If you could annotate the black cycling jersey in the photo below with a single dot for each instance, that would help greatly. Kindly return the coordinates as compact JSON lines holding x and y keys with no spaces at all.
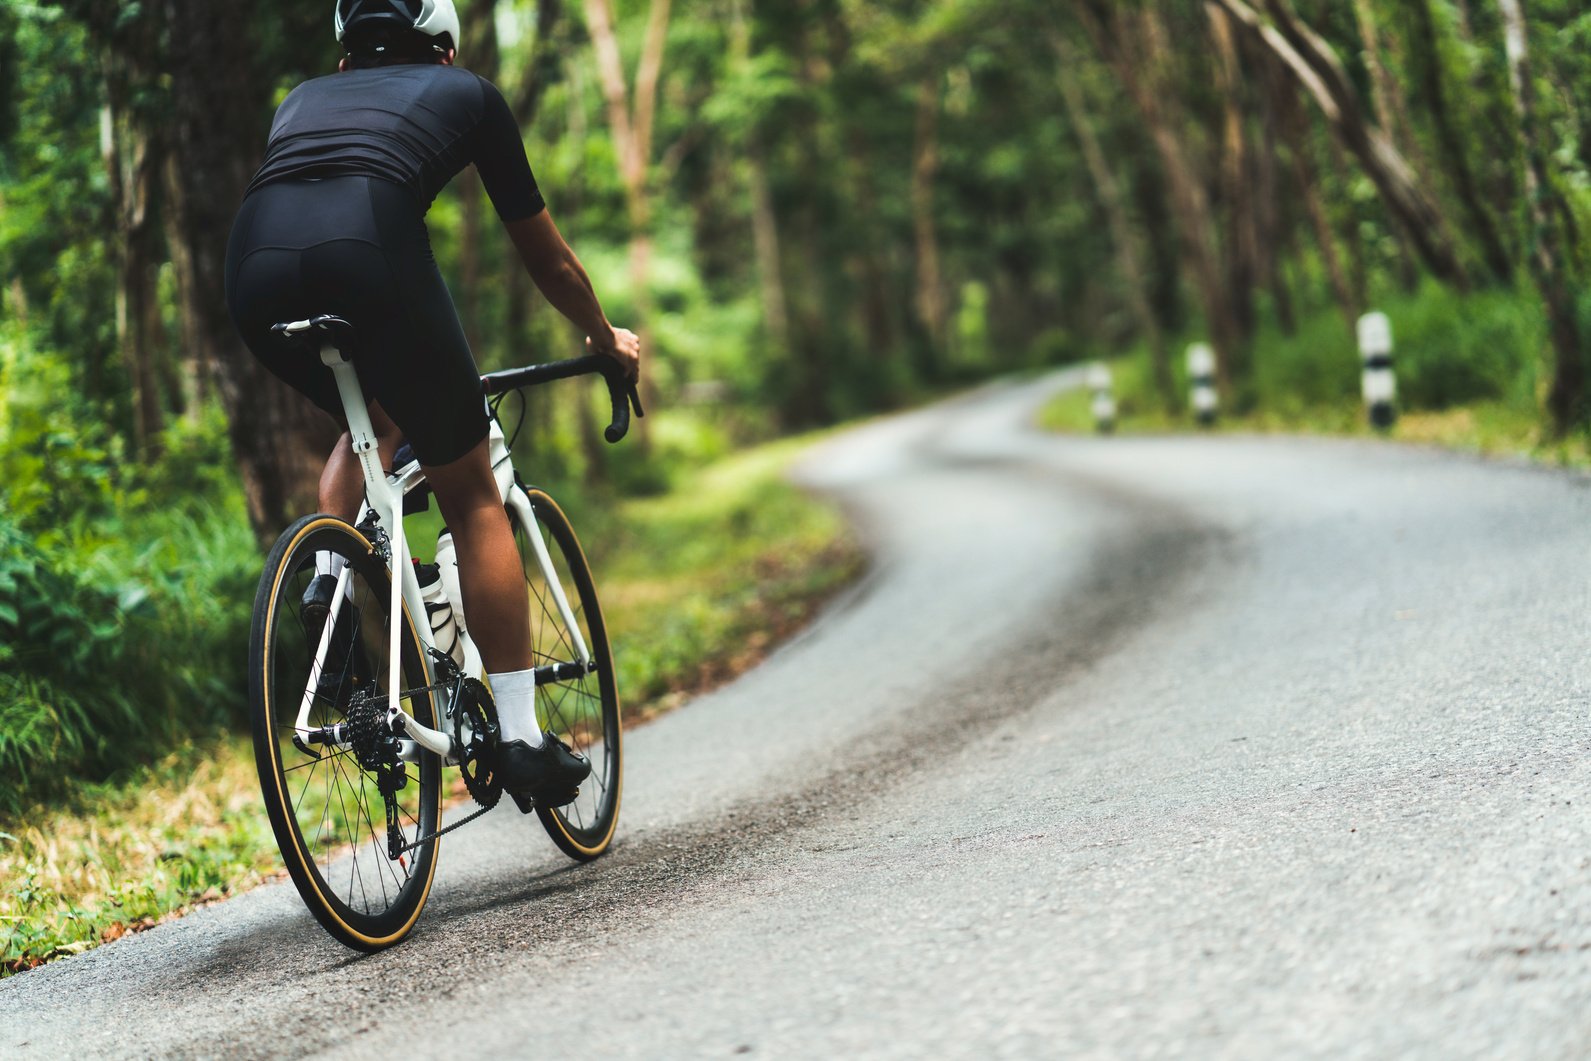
{"x":333,"y":223}
{"x":416,"y":126}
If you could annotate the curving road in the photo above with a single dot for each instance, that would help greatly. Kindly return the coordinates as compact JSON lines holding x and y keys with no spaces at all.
{"x":1125,"y":747}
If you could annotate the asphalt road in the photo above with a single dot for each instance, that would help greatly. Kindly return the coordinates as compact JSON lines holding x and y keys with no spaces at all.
{"x":1125,"y":747}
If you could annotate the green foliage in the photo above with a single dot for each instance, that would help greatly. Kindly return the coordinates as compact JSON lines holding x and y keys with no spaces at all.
{"x":1480,"y":352}
{"x":1455,"y":349}
{"x":67,"y":668}
{"x":124,"y":589}
{"x":59,"y":460}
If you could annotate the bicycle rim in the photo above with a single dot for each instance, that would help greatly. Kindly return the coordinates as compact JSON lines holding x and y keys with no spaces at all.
{"x":584,"y":711}
{"x":326,"y":810}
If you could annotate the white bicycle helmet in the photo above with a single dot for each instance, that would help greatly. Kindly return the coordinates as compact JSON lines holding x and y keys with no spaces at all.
{"x":433,"y":18}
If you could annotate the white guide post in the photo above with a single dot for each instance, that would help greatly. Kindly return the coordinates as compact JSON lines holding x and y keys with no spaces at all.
{"x":1104,"y":403}
{"x":1379,"y":383}
{"x":1201,"y":378}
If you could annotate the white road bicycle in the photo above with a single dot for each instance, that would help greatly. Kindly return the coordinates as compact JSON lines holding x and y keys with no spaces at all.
{"x":357,"y":709}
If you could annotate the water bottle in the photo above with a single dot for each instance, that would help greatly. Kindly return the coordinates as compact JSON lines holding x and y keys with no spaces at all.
{"x":439,"y":610}
{"x":447,"y":559}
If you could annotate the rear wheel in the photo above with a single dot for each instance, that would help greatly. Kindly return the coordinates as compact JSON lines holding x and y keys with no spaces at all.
{"x":325,"y":801}
{"x":582,"y":710}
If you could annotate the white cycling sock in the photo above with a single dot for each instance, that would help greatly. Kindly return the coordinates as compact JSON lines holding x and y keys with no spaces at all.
{"x":515,"y":695}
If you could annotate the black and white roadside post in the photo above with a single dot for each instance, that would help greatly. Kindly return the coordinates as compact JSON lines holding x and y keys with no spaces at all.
{"x":1104,"y":404}
{"x":1201,"y":377}
{"x":1379,"y":384}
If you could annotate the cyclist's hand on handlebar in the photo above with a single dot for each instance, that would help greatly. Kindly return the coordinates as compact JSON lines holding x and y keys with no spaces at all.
{"x":624,"y":346}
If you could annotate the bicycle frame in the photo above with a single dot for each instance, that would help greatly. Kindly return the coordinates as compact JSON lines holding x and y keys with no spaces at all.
{"x":384,"y":497}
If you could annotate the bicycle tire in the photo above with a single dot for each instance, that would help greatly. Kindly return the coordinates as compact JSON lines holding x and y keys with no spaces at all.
{"x":280,"y":651}
{"x":584,"y":712}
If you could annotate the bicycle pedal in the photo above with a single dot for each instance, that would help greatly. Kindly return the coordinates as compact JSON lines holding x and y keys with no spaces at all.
{"x":526,"y":804}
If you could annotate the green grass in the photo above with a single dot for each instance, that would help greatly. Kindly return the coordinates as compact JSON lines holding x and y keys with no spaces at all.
{"x":697,"y":585}
{"x":123,"y":855}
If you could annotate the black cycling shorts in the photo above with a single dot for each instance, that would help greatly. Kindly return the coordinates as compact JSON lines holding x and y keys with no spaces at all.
{"x":357,"y":247}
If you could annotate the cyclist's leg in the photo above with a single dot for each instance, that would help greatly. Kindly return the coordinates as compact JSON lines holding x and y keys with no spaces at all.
{"x":495,"y":605}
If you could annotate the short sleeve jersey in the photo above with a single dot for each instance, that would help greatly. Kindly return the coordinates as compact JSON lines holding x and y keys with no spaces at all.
{"x":416,"y":126}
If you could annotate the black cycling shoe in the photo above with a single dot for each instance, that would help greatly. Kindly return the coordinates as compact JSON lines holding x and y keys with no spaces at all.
{"x":345,"y":666}
{"x":550,"y":774}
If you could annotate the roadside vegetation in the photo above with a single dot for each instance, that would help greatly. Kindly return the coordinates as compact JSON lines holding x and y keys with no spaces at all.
{"x":129,"y":817}
{"x":1470,"y":374}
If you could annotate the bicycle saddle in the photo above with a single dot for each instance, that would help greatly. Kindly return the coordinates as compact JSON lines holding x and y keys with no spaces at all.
{"x":331,"y":328}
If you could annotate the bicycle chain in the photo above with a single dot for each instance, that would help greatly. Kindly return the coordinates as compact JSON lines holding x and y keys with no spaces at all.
{"x":469,"y":696}
{"x":442,"y":831}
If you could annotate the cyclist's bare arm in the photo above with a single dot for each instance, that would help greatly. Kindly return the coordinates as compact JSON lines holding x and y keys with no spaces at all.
{"x":560,"y":276}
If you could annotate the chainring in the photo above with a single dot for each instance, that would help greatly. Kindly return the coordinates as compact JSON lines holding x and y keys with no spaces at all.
{"x":478,"y":751}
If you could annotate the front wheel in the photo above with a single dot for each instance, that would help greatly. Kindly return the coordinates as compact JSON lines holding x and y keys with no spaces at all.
{"x":327,"y":802}
{"x":582,"y":710}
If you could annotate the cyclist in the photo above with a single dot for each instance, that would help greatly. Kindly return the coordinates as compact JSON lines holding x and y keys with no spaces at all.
{"x":333,"y":222}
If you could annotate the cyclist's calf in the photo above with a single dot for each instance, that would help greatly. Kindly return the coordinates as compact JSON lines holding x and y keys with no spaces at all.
{"x":496,"y":606}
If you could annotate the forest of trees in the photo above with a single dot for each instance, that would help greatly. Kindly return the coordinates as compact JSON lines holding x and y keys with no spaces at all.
{"x":823,"y":206}
{"x":810,"y":209}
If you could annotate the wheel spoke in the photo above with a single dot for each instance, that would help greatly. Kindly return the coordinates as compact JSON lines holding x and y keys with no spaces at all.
{"x":330,"y":800}
{"x":582,"y":711}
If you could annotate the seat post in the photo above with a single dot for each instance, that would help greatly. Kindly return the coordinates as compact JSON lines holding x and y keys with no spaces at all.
{"x":357,"y":413}
{"x":378,"y":492}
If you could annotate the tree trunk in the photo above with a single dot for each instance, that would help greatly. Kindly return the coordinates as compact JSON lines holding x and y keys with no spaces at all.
{"x":863,"y":258}
{"x":1315,"y":66}
{"x":1293,"y":131}
{"x":864,"y":262}
{"x":1455,"y":160}
{"x":1128,"y":256}
{"x":542,"y":68}
{"x":1548,"y":261}
{"x":133,"y":163}
{"x":1273,"y":241}
{"x":133,"y":147}
{"x":765,"y":240}
{"x":220,"y":102}
{"x":933,"y":310}
{"x":1386,"y":96}
{"x":17,"y":301}
{"x":630,"y":119}
{"x":478,"y":46}
{"x":1135,"y":46}
{"x":196,"y":364}
{"x":1391,"y":114}
{"x":1237,"y":194}
{"x":806,"y":387}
